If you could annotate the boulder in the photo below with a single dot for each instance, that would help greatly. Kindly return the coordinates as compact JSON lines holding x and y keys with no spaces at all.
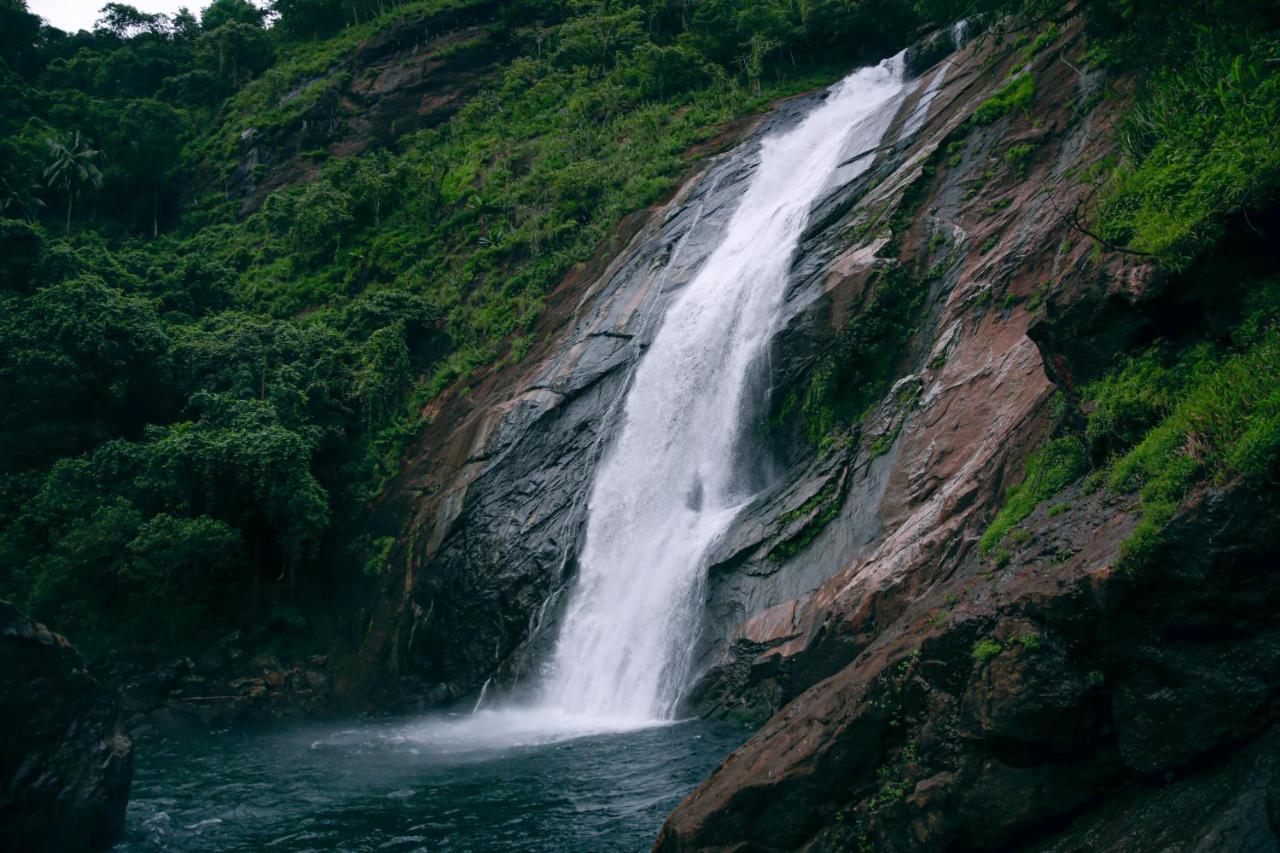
{"x":65,"y":762}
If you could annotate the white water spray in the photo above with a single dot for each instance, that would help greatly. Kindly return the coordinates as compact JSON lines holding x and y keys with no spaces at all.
{"x":668,"y":487}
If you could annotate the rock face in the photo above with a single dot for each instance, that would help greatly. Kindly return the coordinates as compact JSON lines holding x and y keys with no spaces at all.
{"x":494,"y":498}
{"x":411,"y":76}
{"x":912,"y":692}
{"x":921,"y":695}
{"x":65,"y":762}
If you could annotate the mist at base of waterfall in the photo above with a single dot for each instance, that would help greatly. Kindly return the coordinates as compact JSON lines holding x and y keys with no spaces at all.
{"x":492,"y":781}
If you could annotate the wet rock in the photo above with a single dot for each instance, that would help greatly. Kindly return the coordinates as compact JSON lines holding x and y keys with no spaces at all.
{"x":264,"y":662}
{"x":65,"y":761}
{"x":926,"y":695}
{"x":1030,"y":698}
{"x":1230,"y":805}
{"x":495,"y":492}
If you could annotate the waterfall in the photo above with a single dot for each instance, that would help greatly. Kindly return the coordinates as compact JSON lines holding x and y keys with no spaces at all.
{"x":668,"y":486}
{"x":483,"y":690}
{"x":915,"y":121}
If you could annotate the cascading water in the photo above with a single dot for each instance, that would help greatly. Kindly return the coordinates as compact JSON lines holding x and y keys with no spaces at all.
{"x":663,"y":493}
{"x":668,"y":486}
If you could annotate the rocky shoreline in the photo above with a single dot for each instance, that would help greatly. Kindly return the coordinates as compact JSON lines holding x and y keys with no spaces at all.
{"x":223,"y":686}
{"x":66,"y":763}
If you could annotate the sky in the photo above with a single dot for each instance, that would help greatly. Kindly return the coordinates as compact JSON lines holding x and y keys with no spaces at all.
{"x":72,"y":15}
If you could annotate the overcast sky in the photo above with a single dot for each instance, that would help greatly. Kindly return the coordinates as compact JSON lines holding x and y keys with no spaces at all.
{"x":72,"y":15}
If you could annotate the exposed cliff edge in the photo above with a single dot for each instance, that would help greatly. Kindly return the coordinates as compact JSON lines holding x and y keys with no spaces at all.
{"x":933,"y":696}
{"x":65,"y":762}
{"x":919,"y":692}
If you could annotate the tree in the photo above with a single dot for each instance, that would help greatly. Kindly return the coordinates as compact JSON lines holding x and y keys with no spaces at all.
{"x":384,"y":373}
{"x":148,"y":144}
{"x":22,"y":248}
{"x":222,"y":12}
{"x":236,"y":51}
{"x":185,"y":24}
{"x":82,"y":361}
{"x":238,"y":463}
{"x":310,"y":18}
{"x":74,"y":165}
{"x":126,"y":21}
{"x":19,"y":196}
{"x":19,"y":35}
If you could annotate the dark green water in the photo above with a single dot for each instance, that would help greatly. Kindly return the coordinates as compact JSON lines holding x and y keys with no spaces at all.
{"x":486,"y":782}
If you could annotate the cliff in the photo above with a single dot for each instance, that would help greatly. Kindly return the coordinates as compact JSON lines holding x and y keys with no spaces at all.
{"x":931,"y":695}
{"x":914,"y":690}
{"x":318,"y":331}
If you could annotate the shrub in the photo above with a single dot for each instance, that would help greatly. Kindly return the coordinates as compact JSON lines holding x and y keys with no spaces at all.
{"x":1212,"y":413}
{"x":1019,"y":157}
{"x":1201,"y":143}
{"x":985,"y":649}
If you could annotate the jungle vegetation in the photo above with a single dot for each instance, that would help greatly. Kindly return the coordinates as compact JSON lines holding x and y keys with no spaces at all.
{"x":202,"y":395}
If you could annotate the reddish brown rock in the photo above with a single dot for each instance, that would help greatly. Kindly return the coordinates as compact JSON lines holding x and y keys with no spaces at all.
{"x":927,"y":696}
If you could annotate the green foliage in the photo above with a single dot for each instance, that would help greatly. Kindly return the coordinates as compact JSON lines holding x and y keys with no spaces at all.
{"x":1128,"y":402}
{"x":379,"y":562}
{"x":199,"y":401}
{"x":23,"y":246}
{"x":1016,"y":95}
{"x":1050,"y":34}
{"x":1217,"y":415}
{"x":1019,"y":157}
{"x":83,"y":361}
{"x":1168,"y":419}
{"x":1201,"y":143}
{"x":985,"y":649}
{"x":1049,"y":470}
{"x":167,"y":521}
{"x":884,"y":442}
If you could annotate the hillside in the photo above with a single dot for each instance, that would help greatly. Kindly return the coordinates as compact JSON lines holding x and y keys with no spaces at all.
{"x":322,"y":329}
{"x":267,"y":249}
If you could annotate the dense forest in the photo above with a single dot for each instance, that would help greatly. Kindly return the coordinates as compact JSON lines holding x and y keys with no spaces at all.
{"x":210,"y":368}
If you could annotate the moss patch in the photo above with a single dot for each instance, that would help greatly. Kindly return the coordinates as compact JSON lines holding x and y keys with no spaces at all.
{"x":826,"y":502}
{"x":1018,"y":94}
{"x":1049,"y":470}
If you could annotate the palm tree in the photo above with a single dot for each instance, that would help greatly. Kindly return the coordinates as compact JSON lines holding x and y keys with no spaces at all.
{"x":73,"y":166}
